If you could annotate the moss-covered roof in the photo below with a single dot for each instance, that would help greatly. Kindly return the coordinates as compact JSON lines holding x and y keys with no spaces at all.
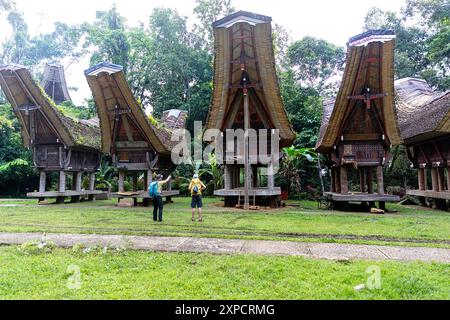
{"x":22,"y":90}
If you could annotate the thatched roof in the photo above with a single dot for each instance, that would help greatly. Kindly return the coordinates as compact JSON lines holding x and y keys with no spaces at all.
{"x":255,"y":34}
{"x":110,"y":90}
{"x":174,"y":118}
{"x":422,"y":112}
{"x":22,"y":91}
{"x":54,"y":83}
{"x":369,"y":64}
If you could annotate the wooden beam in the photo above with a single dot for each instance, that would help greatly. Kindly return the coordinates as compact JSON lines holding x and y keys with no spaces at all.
{"x":333,"y":179}
{"x":369,"y":180}
{"x":344,"y":180}
{"x":62,"y":181}
{"x":337,"y":174}
{"x":121,"y":181}
{"x":421,"y":179}
{"x":362,"y":179}
{"x":246,"y":151}
{"x":42,"y":180}
{"x":380,"y":180}
{"x":441,"y":179}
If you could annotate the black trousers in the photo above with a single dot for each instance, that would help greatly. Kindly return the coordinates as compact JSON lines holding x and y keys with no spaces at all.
{"x":157,"y":204}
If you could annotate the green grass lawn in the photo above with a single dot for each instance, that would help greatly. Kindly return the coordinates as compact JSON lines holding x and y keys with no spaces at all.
{"x":144,"y":275}
{"x":405,"y":226}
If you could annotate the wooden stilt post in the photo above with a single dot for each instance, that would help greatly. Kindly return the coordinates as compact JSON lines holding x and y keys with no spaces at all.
{"x":421,"y":179}
{"x":62,"y":181}
{"x":135,"y":181}
{"x":79,"y":176}
{"x":380,"y":181}
{"x":92,"y":181}
{"x":270,"y":177}
{"x":42,"y":183}
{"x":362,"y":179}
{"x":333,"y":179}
{"x":227,"y":177}
{"x":421,"y":176}
{"x":121,"y":181}
{"x":76,"y":185}
{"x":425,"y":178}
{"x":369,"y":180}
{"x":247,"y":166}
{"x":344,"y":180}
{"x":337,"y":174}
{"x":91,"y":185}
{"x":148,"y":177}
{"x":435,"y":184}
{"x":441,"y":179}
{"x":61,"y":185}
{"x":42,"y":180}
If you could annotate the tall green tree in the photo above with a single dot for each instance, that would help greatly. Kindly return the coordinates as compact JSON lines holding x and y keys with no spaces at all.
{"x":316,"y":63}
{"x":208,"y":11}
{"x":423,"y":36}
{"x":108,"y":36}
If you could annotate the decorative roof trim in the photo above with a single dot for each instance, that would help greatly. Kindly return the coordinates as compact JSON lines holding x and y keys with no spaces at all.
{"x":241,"y":16}
{"x":367,"y":37}
{"x":105,"y":66}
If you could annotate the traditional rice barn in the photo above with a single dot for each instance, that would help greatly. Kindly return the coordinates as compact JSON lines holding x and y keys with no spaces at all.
{"x":360,"y":125}
{"x":246,"y":96}
{"x":54,"y":83}
{"x":424,"y":120}
{"x":135,"y":144}
{"x":59,"y":143}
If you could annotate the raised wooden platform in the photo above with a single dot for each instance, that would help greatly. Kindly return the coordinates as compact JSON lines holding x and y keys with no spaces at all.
{"x":69,"y":193}
{"x":142,"y":194}
{"x":361,"y":197}
{"x":258,"y":192}
{"x":74,"y":195}
{"x":445,"y":195}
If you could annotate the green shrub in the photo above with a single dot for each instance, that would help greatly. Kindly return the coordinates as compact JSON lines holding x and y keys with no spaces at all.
{"x":37,"y":247}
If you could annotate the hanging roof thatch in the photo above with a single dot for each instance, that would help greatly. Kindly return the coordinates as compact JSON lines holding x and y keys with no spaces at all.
{"x":255,"y":34}
{"x":422,"y":112}
{"x":110,"y":90}
{"x":54,"y":83}
{"x":369,"y":63}
{"x":22,"y":91}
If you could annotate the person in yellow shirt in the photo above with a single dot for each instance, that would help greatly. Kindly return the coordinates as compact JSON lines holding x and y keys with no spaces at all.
{"x":196,"y":187}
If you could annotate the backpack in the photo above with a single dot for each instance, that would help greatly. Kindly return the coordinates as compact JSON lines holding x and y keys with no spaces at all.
{"x":153,"y":190}
{"x":195,"y":189}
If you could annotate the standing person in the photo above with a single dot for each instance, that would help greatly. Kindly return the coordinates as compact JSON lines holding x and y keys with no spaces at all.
{"x":155,"y":191}
{"x":196,"y":187}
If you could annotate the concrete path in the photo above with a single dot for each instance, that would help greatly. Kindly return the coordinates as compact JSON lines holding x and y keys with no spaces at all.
{"x":332,"y":251}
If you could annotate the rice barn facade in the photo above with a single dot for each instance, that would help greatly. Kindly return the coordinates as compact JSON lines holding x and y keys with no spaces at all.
{"x":58,"y":143}
{"x":424,"y":120}
{"x":360,"y":125}
{"x":135,"y":144}
{"x":246,"y":96}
